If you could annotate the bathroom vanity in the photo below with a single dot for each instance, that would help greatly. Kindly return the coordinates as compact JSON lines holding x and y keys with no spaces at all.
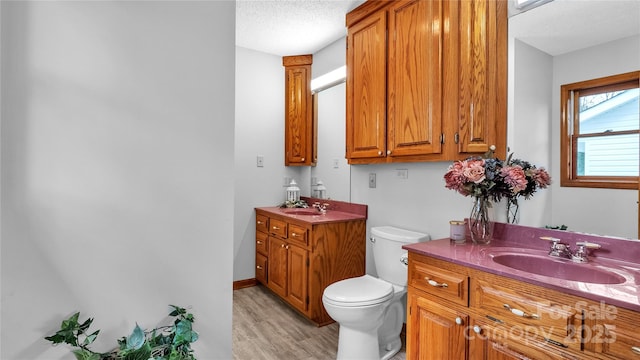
{"x":510,"y":300}
{"x":300,"y":251}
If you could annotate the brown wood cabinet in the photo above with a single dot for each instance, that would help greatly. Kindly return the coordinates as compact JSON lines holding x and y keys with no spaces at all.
{"x":456,"y":312}
{"x":300,"y":124}
{"x":426,"y":80}
{"x":297,"y":260}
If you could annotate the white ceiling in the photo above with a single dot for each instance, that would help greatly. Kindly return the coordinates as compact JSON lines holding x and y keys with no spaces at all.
{"x":295,"y":27}
{"x":291,"y":27}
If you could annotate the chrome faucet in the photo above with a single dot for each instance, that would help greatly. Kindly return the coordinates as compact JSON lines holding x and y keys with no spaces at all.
{"x":321,"y":207}
{"x":562,"y":250}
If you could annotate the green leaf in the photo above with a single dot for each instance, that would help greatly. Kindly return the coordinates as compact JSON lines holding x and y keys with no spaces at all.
{"x":82,"y":354}
{"x":91,"y":338}
{"x":136,"y":339}
{"x":143,"y":353}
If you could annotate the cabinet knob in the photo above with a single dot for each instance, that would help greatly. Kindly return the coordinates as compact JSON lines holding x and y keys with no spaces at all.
{"x":275,"y":228}
{"x":388,"y":152}
{"x":259,"y":222}
{"x":287,"y":247}
{"x":294,"y":234}
{"x":258,"y":242}
{"x":459,"y":320}
{"x":302,"y":159}
{"x":380,"y":152}
{"x":282,"y":245}
{"x":477,"y":329}
{"x":258,"y":267}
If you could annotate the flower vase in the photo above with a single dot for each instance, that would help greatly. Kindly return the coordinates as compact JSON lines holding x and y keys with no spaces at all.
{"x":513,"y":211}
{"x":481,"y":221}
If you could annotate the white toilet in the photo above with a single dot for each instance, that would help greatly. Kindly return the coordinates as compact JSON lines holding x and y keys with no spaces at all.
{"x":371,"y":310}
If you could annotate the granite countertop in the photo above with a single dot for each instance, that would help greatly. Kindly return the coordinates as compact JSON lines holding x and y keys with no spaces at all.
{"x":337,"y":211}
{"x":624,"y":267}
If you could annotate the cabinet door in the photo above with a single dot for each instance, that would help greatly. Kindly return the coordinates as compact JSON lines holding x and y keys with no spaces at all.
{"x":415,"y":78}
{"x":277,"y":269}
{"x":435,"y":331}
{"x":297,"y":277}
{"x":482,"y":75}
{"x":299,"y":135}
{"x":366,"y":88}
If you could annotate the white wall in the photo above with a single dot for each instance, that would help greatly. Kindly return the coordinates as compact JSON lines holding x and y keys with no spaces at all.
{"x":117,"y":145}
{"x":259,"y":131}
{"x":600,"y":211}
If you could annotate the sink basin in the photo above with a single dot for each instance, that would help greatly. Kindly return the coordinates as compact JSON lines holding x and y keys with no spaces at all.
{"x":558,"y":268}
{"x":301,"y":212}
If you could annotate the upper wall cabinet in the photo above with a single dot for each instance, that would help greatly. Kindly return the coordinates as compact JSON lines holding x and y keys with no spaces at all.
{"x":300,"y":127}
{"x":426,"y":80}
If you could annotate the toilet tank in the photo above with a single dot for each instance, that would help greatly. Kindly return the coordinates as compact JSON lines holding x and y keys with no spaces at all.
{"x":389,"y":257}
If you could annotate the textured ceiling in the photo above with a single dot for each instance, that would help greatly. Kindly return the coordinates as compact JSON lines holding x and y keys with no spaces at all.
{"x":563,"y":26}
{"x":291,"y":27}
{"x":295,"y":27}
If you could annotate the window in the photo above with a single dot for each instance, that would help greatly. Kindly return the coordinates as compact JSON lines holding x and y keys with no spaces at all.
{"x":600,"y":135}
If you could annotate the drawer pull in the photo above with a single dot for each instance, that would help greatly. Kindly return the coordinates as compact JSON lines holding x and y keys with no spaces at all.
{"x":435,"y":283}
{"x":520,"y":313}
{"x":258,"y":267}
{"x":259,"y":242}
{"x":477,"y":329}
{"x":459,"y":320}
{"x":259,"y":222}
{"x":275,"y":228}
{"x":635,"y":349}
{"x":294,"y":235}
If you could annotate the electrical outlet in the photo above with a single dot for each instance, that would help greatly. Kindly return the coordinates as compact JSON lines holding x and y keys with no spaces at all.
{"x":336,"y":163}
{"x":260,"y":161}
{"x":402,"y":173}
{"x":372,"y":180}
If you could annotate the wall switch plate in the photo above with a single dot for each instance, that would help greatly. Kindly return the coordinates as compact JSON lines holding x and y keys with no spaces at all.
{"x":336,"y":163}
{"x":286,"y":181}
{"x":260,"y":161}
{"x":372,"y":180}
{"x":402,"y":173}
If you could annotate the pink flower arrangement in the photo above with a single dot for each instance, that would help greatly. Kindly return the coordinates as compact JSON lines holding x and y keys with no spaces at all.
{"x":494,"y":179}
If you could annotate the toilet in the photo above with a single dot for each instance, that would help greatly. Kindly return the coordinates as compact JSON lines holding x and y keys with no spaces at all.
{"x":371,"y":310}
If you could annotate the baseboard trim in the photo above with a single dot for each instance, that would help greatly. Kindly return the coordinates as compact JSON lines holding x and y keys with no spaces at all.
{"x":241,"y":284}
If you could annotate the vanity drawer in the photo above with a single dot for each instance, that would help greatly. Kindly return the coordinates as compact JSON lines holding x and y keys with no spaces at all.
{"x":297,"y":234}
{"x":261,"y":268}
{"x":262,"y":245}
{"x":262,"y":223}
{"x":278,"y":228}
{"x":442,"y":283}
{"x":556,"y":323}
{"x":619,"y":335}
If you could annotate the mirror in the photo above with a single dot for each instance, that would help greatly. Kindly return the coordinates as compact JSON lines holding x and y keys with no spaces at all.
{"x":560,"y":42}
{"x":332,"y":167}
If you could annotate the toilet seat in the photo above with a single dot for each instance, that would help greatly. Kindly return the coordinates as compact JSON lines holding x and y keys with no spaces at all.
{"x":360,"y":291}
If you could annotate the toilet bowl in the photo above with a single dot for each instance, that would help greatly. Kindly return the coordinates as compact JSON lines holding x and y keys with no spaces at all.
{"x":371,"y":310}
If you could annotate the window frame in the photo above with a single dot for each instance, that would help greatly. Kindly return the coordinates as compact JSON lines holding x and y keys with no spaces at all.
{"x":568,"y":127}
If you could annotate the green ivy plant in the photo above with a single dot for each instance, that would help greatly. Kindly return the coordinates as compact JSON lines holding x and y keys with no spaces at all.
{"x":172,"y":342}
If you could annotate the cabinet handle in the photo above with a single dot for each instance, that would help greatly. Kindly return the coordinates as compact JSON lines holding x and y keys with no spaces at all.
{"x":435,"y":283}
{"x":275,"y":228}
{"x":287,"y":247}
{"x":258,"y":267}
{"x":477,"y":329}
{"x":635,"y":350}
{"x":294,"y":235}
{"x":380,"y":152}
{"x":302,"y":159}
{"x":259,"y":242}
{"x":259,"y":222}
{"x":388,"y":152}
{"x":459,"y":320}
{"x":282,"y":245}
{"x":520,"y":313}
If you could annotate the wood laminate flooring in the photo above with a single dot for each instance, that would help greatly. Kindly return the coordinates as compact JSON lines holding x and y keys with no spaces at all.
{"x":265,"y":328}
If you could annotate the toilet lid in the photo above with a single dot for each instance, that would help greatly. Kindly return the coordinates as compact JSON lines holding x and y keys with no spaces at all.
{"x":359,"y":291}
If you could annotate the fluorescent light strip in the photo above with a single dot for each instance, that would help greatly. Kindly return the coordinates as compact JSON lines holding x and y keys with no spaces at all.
{"x":329,"y":79}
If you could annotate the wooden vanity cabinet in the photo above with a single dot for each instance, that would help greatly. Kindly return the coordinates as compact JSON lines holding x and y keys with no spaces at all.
{"x":418,"y":90}
{"x":300,"y":124}
{"x":303,"y":258}
{"x":457,"y":312}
